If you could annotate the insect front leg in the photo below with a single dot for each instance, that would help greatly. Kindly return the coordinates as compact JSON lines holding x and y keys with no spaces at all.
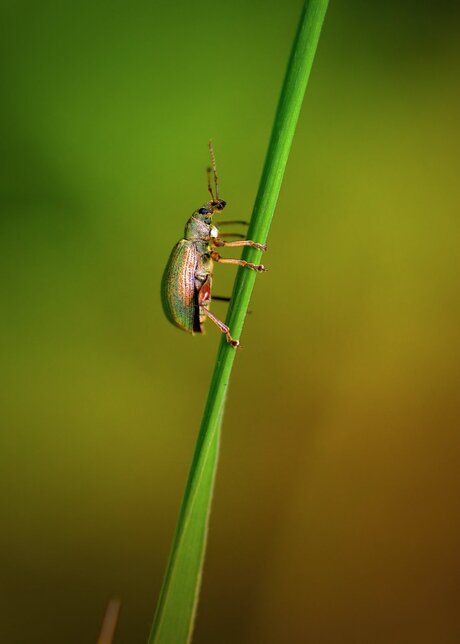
{"x":239,"y":235}
{"x":219,"y":242}
{"x":232,"y":221}
{"x":260,"y":268}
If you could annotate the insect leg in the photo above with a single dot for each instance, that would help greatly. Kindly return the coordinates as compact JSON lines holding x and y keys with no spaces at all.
{"x":233,"y":221}
{"x":223,"y":327}
{"x":242,"y":242}
{"x":240,"y":262}
{"x":240,"y":235}
{"x":221,"y":298}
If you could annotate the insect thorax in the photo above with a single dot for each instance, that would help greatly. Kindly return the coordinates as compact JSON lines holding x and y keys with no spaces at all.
{"x":199,"y":227}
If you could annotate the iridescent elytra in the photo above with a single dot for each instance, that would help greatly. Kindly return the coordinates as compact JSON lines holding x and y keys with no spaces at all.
{"x":186,"y":287}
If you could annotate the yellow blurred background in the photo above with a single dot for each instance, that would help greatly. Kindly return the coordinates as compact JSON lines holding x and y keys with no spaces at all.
{"x":336,"y":513}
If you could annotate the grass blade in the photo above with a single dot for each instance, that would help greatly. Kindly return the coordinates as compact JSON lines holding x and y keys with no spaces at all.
{"x":173,"y":622}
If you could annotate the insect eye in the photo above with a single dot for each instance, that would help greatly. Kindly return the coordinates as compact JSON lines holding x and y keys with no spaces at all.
{"x":221,"y":205}
{"x":203,"y":211}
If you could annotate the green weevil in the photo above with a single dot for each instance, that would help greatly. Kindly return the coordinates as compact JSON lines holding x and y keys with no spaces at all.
{"x":187,"y":280}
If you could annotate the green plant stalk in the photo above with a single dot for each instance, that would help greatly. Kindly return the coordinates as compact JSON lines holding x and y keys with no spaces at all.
{"x":175,"y":612}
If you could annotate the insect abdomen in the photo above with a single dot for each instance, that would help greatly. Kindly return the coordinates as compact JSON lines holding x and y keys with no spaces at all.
{"x":178,"y":292}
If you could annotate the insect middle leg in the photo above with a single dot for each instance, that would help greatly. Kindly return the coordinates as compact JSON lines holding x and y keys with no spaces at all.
{"x":260,"y":268}
{"x":223,"y":327}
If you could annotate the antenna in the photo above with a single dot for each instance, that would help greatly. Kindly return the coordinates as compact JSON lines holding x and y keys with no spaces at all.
{"x":209,"y":170}
{"x":214,"y":169}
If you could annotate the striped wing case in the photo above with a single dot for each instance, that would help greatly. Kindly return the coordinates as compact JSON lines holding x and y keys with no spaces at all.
{"x":178,"y":292}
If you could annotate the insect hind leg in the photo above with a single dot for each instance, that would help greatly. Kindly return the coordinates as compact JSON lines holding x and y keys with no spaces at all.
{"x":222,"y":327}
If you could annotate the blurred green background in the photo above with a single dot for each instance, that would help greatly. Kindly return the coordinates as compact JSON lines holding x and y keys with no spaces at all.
{"x":336,"y":513}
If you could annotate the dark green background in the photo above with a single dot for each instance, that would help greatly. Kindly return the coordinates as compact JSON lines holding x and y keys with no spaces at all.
{"x":336,"y":513}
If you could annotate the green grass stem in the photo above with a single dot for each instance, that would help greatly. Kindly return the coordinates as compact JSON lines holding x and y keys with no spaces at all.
{"x":175,"y":612}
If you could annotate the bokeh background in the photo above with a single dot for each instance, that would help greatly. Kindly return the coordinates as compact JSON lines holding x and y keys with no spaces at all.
{"x":336,"y":513}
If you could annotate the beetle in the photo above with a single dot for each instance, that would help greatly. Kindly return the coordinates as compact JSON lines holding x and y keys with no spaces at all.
{"x":186,"y":287}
